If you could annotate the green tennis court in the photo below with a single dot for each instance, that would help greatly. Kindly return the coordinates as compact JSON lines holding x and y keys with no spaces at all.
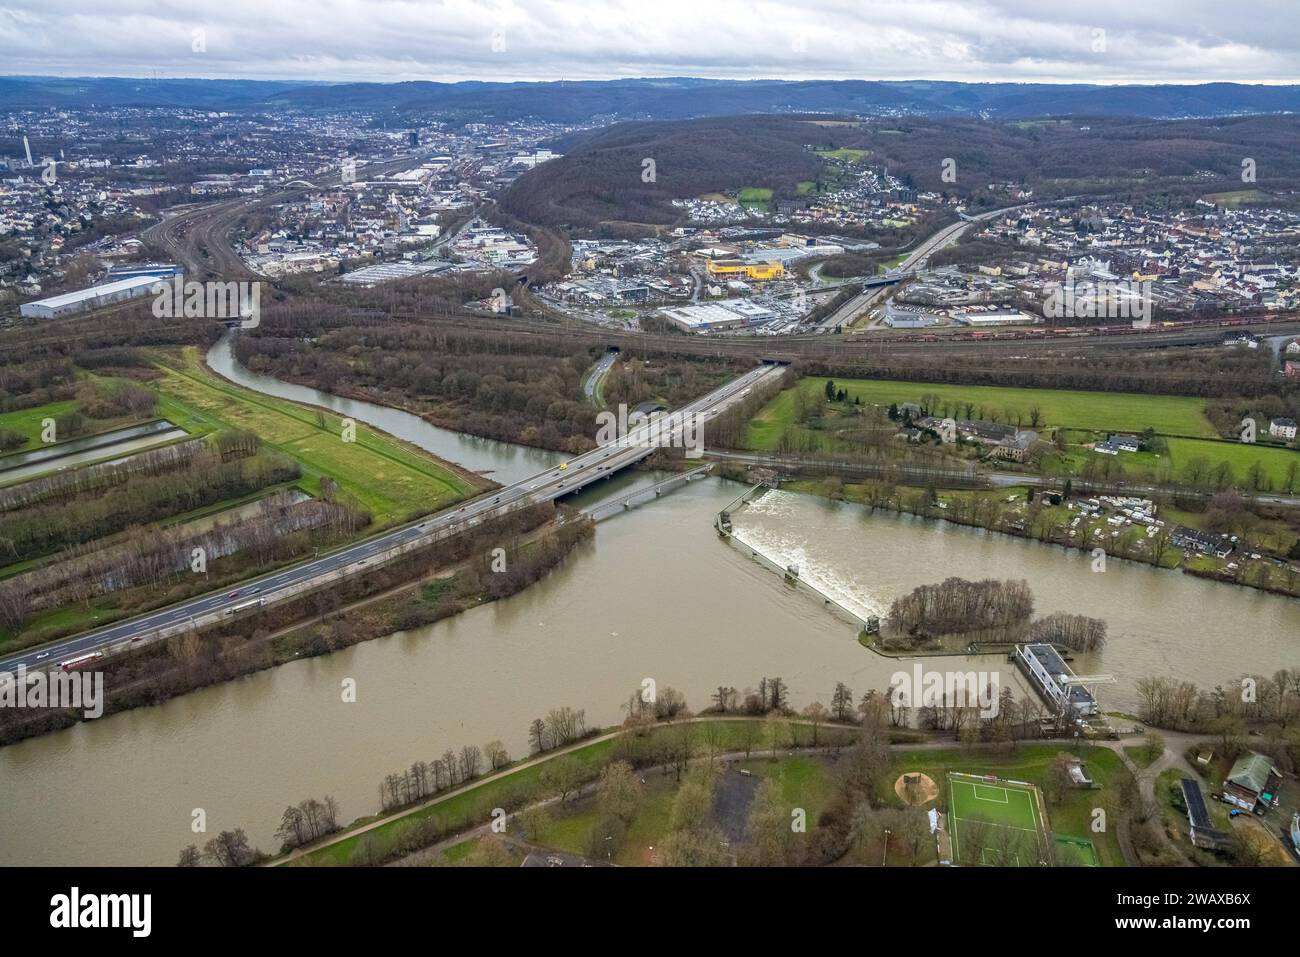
{"x":995,"y":822}
{"x":1076,"y":851}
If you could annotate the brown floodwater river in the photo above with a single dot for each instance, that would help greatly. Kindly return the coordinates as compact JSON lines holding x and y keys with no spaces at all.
{"x":656,"y":594}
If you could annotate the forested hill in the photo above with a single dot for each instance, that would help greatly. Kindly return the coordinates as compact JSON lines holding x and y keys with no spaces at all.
{"x":606,"y":175}
{"x":600,"y":177}
{"x":658,"y":98}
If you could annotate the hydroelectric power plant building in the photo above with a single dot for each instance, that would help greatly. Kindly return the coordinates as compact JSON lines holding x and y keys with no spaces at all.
{"x":1055,"y":680}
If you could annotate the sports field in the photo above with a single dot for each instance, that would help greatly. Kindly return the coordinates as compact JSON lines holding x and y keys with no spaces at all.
{"x":995,"y":822}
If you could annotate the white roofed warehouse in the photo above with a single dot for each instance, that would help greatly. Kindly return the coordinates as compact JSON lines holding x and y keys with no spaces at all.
{"x":94,"y":297}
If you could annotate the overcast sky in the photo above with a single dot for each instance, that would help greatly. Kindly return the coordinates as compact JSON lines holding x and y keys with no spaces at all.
{"x":1103,"y":41}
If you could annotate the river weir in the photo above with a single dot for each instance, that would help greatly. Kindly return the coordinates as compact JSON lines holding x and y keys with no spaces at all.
{"x":653,"y":594}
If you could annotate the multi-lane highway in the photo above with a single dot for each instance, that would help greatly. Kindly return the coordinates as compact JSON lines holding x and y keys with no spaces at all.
{"x":915,"y":260}
{"x":552,"y":484}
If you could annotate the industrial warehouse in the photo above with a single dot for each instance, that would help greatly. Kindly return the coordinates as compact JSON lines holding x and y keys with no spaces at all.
{"x":94,"y":297}
{"x":757,"y":271}
{"x":717,"y":317}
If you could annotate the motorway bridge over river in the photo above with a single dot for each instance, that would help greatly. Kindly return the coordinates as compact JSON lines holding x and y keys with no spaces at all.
{"x":286,"y":583}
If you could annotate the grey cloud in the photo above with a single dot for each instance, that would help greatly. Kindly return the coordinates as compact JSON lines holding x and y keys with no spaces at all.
{"x":1031,"y":40}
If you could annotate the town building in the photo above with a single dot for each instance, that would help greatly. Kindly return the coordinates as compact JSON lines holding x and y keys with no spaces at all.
{"x":756,"y":271}
{"x":1252,"y":781}
{"x":1192,"y":539}
{"x":1016,"y":447}
{"x":900,"y":317}
{"x":1202,"y":830}
{"x":1282,"y":428}
{"x":705,"y":317}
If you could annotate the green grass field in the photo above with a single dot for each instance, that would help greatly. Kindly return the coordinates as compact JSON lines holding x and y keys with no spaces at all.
{"x":462,"y":854}
{"x":391,"y":479}
{"x":1239,"y":455}
{"x":472,"y":805}
{"x":1102,"y":411}
{"x":1235,"y":197}
{"x":571,"y":829}
{"x":846,"y":153}
{"x":27,"y":422}
{"x":996,"y":804}
{"x":1173,"y":465}
{"x":460,"y":809}
{"x":805,"y":782}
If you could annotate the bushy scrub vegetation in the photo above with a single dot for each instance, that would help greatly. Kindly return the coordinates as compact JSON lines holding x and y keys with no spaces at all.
{"x":957,"y":606}
{"x":85,"y":516}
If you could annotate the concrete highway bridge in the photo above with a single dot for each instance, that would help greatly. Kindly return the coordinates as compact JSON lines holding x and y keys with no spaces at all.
{"x":287,"y":583}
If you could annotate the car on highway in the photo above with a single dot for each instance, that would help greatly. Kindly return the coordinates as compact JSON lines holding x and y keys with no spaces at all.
{"x":563,"y":466}
{"x":43,"y":654}
{"x":234,"y":594}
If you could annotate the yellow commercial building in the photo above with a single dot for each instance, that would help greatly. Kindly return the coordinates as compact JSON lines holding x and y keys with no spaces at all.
{"x":738,"y":267}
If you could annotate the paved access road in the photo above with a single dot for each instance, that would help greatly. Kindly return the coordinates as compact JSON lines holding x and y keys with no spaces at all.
{"x":598,"y":372}
{"x":546,"y":486}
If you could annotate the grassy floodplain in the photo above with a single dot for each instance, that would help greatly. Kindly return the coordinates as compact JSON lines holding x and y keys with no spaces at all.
{"x":393,"y":480}
{"x":27,"y":422}
{"x":1059,"y":408}
{"x":805,"y":780}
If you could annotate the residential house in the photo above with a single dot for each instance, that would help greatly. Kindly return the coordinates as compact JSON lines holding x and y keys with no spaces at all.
{"x":1252,"y":780}
{"x":1016,"y":448}
{"x":1195,"y":540}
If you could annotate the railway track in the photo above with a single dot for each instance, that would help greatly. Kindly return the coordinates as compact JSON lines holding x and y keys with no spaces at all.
{"x":200,"y":239}
{"x":792,"y":348}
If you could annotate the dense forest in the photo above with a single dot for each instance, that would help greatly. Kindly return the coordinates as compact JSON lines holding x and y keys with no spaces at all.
{"x":486,"y":381}
{"x":605,"y":177}
{"x":600,"y":178}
